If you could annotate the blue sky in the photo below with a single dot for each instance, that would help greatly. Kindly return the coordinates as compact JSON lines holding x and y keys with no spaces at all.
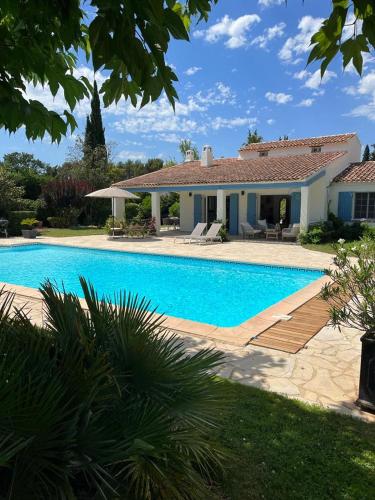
{"x":245,"y":68}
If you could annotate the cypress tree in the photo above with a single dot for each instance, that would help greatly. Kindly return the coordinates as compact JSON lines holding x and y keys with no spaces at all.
{"x":94,"y":132}
{"x":366,"y":153}
{"x":88,"y":144}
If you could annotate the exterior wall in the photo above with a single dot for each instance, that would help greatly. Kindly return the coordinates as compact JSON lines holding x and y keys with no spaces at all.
{"x":352,"y":146}
{"x":186,"y":211}
{"x":337,"y":187}
{"x":318,"y":203}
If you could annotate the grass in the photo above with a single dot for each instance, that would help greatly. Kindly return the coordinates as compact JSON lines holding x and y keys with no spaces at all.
{"x":77,"y":231}
{"x":327,"y":247}
{"x":283,"y":449}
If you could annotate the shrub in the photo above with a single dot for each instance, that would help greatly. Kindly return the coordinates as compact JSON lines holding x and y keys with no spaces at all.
{"x":15,"y":219}
{"x":112,"y":222}
{"x":368,"y":232}
{"x":68,"y":217}
{"x":332,"y":230}
{"x":223,"y":233}
{"x":315,"y":236}
{"x":151,"y":226}
{"x":131,"y":211}
{"x":353,"y":279}
{"x":174,"y":210}
{"x":29,"y":223}
{"x":104,"y":405}
{"x":144,"y":210}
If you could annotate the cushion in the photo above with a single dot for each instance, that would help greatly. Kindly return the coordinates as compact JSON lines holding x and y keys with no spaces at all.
{"x":262,"y":223}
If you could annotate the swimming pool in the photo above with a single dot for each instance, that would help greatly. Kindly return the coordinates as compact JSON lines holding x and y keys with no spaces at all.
{"x":210,"y":291}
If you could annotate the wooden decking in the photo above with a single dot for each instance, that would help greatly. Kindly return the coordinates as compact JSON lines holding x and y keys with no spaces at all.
{"x":291,"y":336}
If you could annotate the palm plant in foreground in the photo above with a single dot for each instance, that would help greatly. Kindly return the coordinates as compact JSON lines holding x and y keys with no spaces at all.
{"x":103,"y":403}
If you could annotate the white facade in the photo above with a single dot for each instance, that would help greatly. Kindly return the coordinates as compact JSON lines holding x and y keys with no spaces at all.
{"x":316,"y":195}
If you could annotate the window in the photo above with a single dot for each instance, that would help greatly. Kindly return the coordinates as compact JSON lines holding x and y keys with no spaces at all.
{"x":316,"y":149}
{"x":263,"y":153}
{"x":364,"y":206}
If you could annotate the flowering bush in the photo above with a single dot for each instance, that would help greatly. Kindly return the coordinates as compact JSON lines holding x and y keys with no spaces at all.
{"x":352,"y":293}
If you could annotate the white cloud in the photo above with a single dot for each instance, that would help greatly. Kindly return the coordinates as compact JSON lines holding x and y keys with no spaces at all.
{"x":279,"y":98}
{"x":271,"y":121}
{"x":131,"y":155}
{"x":233,"y":30}
{"x":300,"y":44}
{"x":219,"y":94}
{"x":269,"y":34}
{"x":365,"y":87}
{"x":314,"y":81}
{"x":191,"y":71}
{"x":191,"y":116}
{"x":172,"y":138}
{"x":351,"y":90}
{"x":269,"y":3}
{"x":220,"y":122}
{"x":364,"y":111}
{"x":306,"y":103}
{"x":300,"y":75}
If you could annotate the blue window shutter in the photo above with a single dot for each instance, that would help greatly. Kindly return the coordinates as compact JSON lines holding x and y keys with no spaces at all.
{"x":251,"y":208}
{"x":197,"y":209}
{"x":233,"y":216}
{"x":345,"y":206}
{"x":296,"y":208}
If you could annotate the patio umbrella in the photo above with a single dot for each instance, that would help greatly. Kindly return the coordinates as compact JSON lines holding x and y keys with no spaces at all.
{"x":113,"y":193}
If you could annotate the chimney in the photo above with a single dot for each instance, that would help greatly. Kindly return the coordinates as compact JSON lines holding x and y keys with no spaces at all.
{"x":189,"y":155}
{"x":207,"y":156}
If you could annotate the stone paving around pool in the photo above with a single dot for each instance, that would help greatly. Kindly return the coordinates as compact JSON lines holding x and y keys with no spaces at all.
{"x":325,"y":372}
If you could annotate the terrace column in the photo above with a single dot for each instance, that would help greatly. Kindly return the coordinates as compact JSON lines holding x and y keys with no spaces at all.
{"x":155,"y":209}
{"x":221,"y":205}
{"x":305,"y":209}
{"x":119,"y":208}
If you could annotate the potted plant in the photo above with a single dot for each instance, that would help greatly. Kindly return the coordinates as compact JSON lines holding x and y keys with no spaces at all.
{"x":352,"y":303}
{"x":223,"y":233}
{"x":28,"y":228}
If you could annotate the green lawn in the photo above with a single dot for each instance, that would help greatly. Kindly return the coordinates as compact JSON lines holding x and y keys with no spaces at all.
{"x":283,"y":449}
{"x":327,"y":247}
{"x":79,"y":231}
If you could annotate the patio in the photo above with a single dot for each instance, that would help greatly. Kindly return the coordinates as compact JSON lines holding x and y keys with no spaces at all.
{"x":324,"y":372}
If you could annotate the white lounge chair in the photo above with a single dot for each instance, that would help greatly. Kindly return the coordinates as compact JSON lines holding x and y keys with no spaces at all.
{"x":248,"y":230}
{"x":197,"y":231}
{"x":212,"y":234}
{"x":290,"y":232}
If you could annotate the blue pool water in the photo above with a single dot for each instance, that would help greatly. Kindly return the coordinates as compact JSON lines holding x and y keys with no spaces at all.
{"x":214,"y":292}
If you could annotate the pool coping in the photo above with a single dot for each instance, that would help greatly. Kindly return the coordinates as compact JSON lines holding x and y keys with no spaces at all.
{"x":239,"y":335}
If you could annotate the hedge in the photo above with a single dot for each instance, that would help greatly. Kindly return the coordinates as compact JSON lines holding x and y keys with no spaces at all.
{"x":15,"y":218}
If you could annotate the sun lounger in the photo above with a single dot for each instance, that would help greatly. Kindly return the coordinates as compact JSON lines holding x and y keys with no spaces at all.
{"x":197,"y":231}
{"x":212,"y":234}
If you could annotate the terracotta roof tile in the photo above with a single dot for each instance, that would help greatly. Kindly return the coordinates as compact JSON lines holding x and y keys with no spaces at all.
{"x":358,"y":172}
{"x":236,"y":171}
{"x":308,"y":142}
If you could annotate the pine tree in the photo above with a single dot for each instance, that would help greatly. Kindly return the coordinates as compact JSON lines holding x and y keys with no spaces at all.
{"x":366,"y":153}
{"x":94,"y":132}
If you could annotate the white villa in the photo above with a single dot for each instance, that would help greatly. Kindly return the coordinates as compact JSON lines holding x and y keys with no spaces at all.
{"x":309,"y":176}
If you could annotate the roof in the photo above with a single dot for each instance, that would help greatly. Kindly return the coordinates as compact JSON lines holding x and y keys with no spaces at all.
{"x":363,"y":171}
{"x":308,"y":142}
{"x":236,"y":171}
